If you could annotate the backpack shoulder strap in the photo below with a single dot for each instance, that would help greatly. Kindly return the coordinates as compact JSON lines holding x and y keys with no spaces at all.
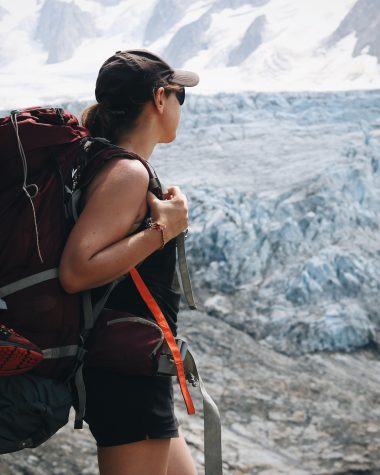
{"x":97,"y":151}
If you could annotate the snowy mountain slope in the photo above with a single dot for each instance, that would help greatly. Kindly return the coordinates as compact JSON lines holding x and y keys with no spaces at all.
{"x":61,"y":28}
{"x":3,"y":12}
{"x":159,"y":22}
{"x":235,"y":45}
{"x":188,"y":41}
{"x":251,"y":40}
{"x":364,"y":21}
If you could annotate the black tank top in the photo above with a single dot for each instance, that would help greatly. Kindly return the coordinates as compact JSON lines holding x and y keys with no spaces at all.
{"x":158,"y":271}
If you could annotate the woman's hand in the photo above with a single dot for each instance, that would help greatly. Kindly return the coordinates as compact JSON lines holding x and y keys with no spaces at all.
{"x":173,"y":211}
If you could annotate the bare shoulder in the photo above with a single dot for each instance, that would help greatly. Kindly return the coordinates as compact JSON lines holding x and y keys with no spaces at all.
{"x":120,"y":174}
{"x":116,"y":197}
{"x":114,"y":201}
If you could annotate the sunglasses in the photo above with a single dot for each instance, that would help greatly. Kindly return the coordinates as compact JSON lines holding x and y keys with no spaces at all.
{"x":179,"y":93}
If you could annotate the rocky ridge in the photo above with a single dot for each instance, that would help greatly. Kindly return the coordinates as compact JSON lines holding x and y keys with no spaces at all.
{"x":311,"y":415}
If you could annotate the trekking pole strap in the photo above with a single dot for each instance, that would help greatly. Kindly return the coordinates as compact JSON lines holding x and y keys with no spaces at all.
{"x":211,"y":419}
{"x":211,"y":416}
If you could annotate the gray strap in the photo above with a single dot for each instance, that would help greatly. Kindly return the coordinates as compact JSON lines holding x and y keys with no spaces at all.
{"x":184,"y":271}
{"x":75,"y":197}
{"x":60,"y":352}
{"x":91,"y":313}
{"x":212,"y":425}
{"x":81,"y":393}
{"x":211,"y":416}
{"x":182,"y":262}
{"x":87,"y":310}
{"x":101,"y":303}
{"x":28,"y":281}
{"x":3,"y":305}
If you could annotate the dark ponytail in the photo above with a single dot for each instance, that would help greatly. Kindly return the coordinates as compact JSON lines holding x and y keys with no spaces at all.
{"x":103,"y":122}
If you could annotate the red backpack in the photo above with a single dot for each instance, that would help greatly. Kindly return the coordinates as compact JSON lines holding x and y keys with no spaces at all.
{"x":40,"y":151}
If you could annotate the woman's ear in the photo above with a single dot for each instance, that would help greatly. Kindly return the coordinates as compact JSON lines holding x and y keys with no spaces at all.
{"x":159,"y":99}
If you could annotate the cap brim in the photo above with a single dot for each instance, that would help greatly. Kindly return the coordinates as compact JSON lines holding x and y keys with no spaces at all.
{"x":184,"y":78}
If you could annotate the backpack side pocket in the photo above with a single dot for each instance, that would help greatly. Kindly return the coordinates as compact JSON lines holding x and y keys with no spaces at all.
{"x":125,"y":343}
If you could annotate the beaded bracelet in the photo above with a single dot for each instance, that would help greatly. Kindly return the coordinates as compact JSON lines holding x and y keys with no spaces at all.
{"x":149,"y":224}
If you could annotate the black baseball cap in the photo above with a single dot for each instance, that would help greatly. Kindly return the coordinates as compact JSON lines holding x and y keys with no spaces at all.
{"x":132,"y":74}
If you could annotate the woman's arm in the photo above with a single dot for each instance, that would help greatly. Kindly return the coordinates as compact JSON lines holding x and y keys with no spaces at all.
{"x":98,"y":250}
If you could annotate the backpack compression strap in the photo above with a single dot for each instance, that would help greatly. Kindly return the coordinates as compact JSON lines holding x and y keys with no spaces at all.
{"x":211,"y":421}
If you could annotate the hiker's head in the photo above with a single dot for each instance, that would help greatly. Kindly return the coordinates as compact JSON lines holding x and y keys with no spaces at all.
{"x":131,"y":83}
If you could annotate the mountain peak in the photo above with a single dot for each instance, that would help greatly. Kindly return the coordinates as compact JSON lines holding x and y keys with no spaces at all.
{"x":364,"y":21}
{"x":234,"y":45}
{"x":61,"y":28}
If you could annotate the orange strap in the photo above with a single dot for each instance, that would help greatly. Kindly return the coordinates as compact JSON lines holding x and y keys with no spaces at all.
{"x":163,"y":324}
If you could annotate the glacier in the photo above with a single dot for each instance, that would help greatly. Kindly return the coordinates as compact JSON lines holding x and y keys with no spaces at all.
{"x":307,"y":268}
{"x":284,"y":242}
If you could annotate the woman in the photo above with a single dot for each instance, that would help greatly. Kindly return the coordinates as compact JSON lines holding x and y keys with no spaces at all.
{"x":139,"y":105}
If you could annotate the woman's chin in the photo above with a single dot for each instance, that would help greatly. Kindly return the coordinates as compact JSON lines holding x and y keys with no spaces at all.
{"x":168,"y":139}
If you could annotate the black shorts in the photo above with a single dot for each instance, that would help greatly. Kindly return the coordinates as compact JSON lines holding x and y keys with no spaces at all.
{"x":121,"y":409}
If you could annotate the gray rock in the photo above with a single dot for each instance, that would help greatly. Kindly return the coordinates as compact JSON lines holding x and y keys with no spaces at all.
{"x":61,"y":28}
{"x":3,"y":12}
{"x":161,"y":21}
{"x":222,"y":4}
{"x":281,"y":415}
{"x":251,"y":41}
{"x":363,"y":20}
{"x":188,"y":41}
{"x":108,"y":3}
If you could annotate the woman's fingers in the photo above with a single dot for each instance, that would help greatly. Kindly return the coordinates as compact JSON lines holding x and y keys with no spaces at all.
{"x":174,"y":191}
{"x":172,"y":212}
{"x":151,"y":198}
{"x":177,"y":195}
